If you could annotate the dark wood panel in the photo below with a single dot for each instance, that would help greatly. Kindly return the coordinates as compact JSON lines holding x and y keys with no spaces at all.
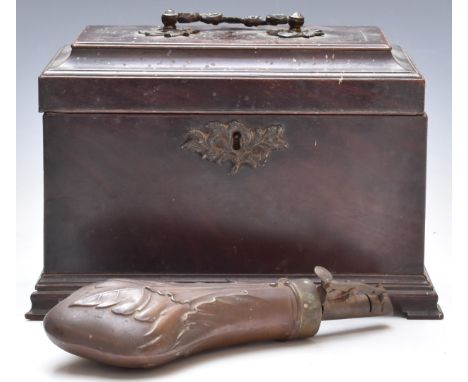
{"x":121,"y":196}
{"x":195,"y":95}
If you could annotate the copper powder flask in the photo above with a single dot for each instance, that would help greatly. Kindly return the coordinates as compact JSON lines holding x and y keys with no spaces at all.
{"x":137,"y":323}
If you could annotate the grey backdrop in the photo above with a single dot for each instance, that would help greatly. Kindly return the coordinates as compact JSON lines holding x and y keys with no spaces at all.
{"x":422,"y":27}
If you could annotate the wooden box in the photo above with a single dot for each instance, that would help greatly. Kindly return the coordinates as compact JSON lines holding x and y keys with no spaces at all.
{"x":234,"y":153}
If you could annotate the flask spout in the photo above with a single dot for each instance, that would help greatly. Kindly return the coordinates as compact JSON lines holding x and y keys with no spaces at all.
{"x":351,"y":299}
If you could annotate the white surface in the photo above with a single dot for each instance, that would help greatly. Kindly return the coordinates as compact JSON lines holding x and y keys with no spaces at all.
{"x":379,"y":349}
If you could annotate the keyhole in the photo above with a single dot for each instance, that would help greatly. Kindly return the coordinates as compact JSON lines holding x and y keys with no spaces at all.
{"x":236,"y":137}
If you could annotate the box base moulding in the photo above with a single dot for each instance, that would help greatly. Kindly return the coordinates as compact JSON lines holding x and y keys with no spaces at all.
{"x":413,"y":296}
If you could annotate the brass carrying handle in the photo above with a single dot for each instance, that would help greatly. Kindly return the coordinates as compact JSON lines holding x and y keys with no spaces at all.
{"x":170,"y":18}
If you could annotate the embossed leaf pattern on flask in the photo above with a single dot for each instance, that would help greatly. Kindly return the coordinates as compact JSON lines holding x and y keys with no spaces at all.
{"x":156,"y":304}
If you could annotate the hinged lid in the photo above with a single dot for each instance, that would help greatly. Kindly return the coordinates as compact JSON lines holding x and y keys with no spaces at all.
{"x":232,"y":70}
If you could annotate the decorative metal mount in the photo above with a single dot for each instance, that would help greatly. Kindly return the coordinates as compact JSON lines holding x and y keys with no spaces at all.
{"x":170,"y":19}
{"x":233,"y":142}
